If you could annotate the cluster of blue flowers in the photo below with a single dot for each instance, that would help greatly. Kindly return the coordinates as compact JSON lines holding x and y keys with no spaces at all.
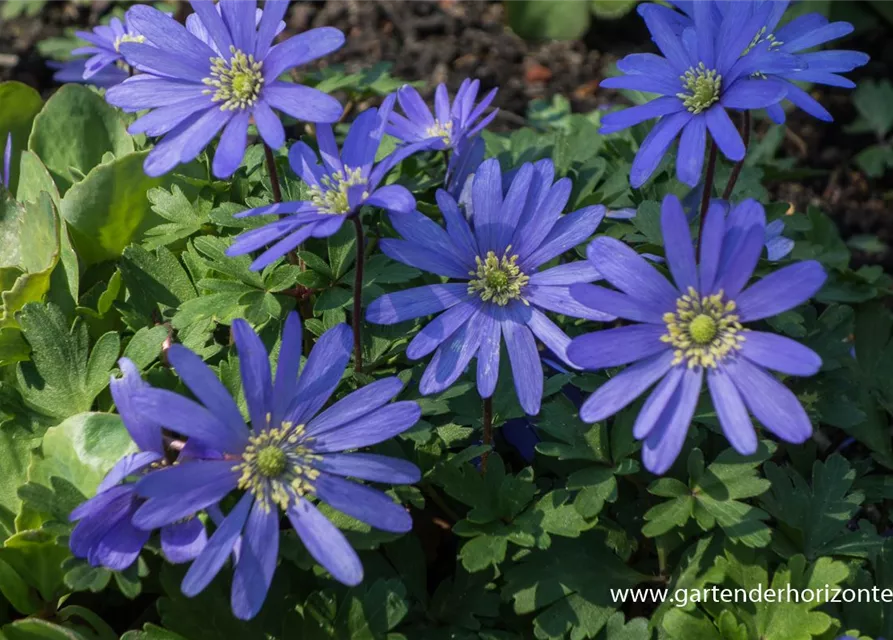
{"x":502,"y":232}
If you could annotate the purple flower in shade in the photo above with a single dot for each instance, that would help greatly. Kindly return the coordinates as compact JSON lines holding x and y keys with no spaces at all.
{"x":194,"y":90}
{"x":705,"y":69}
{"x":802,"y":34}
{"x":346,"y":181}
{"x":777,"y":246}
{"x":453,"y":127}
{"x":7,"y":162}
{"x":291,"y":453}
{"x":694,"y":330}
{"x":495,"y":256}
{"x":106,"y":66}
{"x":104,"y":534}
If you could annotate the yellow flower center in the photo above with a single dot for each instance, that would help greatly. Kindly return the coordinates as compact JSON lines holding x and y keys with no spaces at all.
{"x":441,"y":130}
{"x":331,"y":195}
{"x":498,"y":280}
{"x":128,"y":38}
{"x":236,"y":82}
{"x":701,"y":88}
{"x":276,"y":464}
{"x":703,"y":330}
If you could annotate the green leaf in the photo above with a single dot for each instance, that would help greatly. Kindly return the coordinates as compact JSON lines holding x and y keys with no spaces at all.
{"x":61,"y":380}
{"x":714,"y":497}
{"x":152,"y":632}
{"x":156,"y":281}
{"x":872,"y":100}
{"x":17,"y":591}
{"x":568,"y":587}
{"x":74,"y":131}
{"x":612,"y":9}
{"x":37,"y":557}
{"x":109,"y":208}
{"x":812,"y":517}
{"x":37,"y":629}
{"x":81,"y":451}
{"x":29,"y":250}
{"x":548,"y":20}
{"x":19,"y":104}
{"x":185,"y":218}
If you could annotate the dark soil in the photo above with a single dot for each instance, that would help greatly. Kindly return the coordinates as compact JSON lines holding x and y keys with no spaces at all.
{"x":447,"y":41}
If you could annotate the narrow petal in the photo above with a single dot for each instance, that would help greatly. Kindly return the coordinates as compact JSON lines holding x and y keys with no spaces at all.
{"x":211,"y":20}
{"x":440,"y":329}
{"x":631,"y":273}
{"x":753,"y":94}
{"x":570,"y":231}
{"x":301,"y":49}
{"x":183,"y":541}
{"x":732,"y":413}
{"x":619,"y":120}
{"x":677,"y":243}
{"x":355,"y":405}
{"x":322,"y":373}
{"x":772,"y":403}
{"x":550,"y":334}
{"x":784,"y":289}
{"x":560,"y":300}
{"x":269,"y":126}
{"x":126,"y":466}
{"x":190,"y":419}
{"x":657,"y":402}
{"x":488,"y":354}
{"x":303,"y":103}
{"x":363,"y":503}
{"x":414,"y":303}
{"x":157,"y":512}
{"x":205,"y":386}
{"x":144,"y":430}
{"x":663,"y":445}
{"x":736,"y":271}
{"x":725,"y":133}
{"x":607,"y":301}
{"x":655,"y":145}
{"x":625,"y":387}
{"x":325,"y":543}
{"x":567,"y":274}
{"x":714,"y":230}
{"x":370,"y":466}
{"x":257,"y":561}
{"x":394,"y":198}
{"x":287,"y":367}
{"x":420,"y":257}
{"x":268,"y":28}
{"x":780,"y":354}
{"x":372,"y":428}
{"x":163,"y":31}
{"x":622,"y":345}
{"x":527,"y":369}
{"x":452,"y":357}
{"x":218,"y":549}
{"x":486,"y":194}
{"x":690,"y":157}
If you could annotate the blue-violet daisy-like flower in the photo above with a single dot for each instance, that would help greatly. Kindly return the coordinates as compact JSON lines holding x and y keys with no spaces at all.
{"x":495,"y":255}
{"x":798,"y":38}
{"x":194,"y":90}
{"x":104,"y":534}
{"x":705,"y":69}
{"x":694,"y":329}
{"x":290,"y":453}
{"x":346,"y":181}
{"x":105,"y":66}
{"x":452,"y":126}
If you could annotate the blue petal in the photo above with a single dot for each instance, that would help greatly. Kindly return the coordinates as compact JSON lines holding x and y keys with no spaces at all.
{"x":363,"y":503}
{"x":621,"y":345}
{"x":257,"y":561}
{"x":527,"y":370}
{"x":370,"y":466}
{"x":655,"y":146}
{"x":441,"y":328}
{"x":780,"y":354}
{"x":144,"y":431}
{"x":254,"y":366}
{"x":183,"y":541}
{"x":665,"y":441}
{"x":322,"y":373}
{"x":396,"y":307}
{"x":782,"y":290}
{"x":372,"y":428}
{"x":452,"y":357}
{"x":678,"y":244}
{"x":354,"y":405}
{"x":732,"y":413}
{"x":325,"y":543}
{"x":218,"y":549}
{"x":623,"y":388}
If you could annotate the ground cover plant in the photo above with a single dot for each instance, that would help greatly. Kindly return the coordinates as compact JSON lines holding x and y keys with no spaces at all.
{"x":292,"y":353}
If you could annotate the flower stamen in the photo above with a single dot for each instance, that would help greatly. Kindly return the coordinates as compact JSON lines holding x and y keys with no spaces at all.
{"x":442,"y":130}
{"x":703,"y":330}
{"x":701,"y":88}
{"x":331,"y":196}
{"x":498,"y":280}
{"x":276,"y":466}
{"x":128,"y":38}
{"x":237,"y":82}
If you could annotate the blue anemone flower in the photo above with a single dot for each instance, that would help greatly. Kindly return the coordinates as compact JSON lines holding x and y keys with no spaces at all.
{"x":798,"y":38}
{"x":194,"y":90}
{"x":346,"y":181}
{"x":705,"y":69}
{"x":104,"y":533}
{"x":105,"y":66}
{"x":495,"y":255}
{"x":453,"y":126}
{"x":290,"y":453}
{"x":693,"y":329}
